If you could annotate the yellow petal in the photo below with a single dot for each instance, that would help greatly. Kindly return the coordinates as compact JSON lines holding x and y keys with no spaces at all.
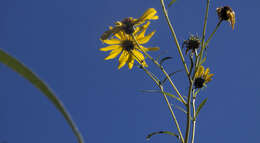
{"x":113,"y":54}
{"x":206,"y":73}
{"x":208,"y":78}
{"x":144,"y":28}
{"x":232,"y":20}
{"x":108,"y":48}
{"x":199,"y":72}
{"x":146,"y":38}
{"x":148,"y":15}
{"x":151,"y":49}
{"x":112,"y":41}
{"x":131,"y":62}
{"x":123,"y":59}
{"x":139,"y":57}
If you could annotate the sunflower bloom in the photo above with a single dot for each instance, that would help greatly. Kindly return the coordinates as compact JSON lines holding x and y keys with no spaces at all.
{"x":226,"y":13}
{"x":128,"y":24}
{"x":125,"y":45}
{"x":202,"y":77}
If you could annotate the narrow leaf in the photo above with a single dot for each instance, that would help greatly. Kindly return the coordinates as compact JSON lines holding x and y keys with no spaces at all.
{"x":26,"y":73}
{"x":148,"y":137}
{"x":151,"y":91}
{"x":180,"y":108}
{"x":200,"y":107}
{"x":173,"y":96}
{"x":170,"y":4}
{"x":164,"y":59}
{"x":170,"y":75}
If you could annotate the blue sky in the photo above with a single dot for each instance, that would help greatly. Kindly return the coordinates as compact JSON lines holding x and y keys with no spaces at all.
{"x":59,"y":40}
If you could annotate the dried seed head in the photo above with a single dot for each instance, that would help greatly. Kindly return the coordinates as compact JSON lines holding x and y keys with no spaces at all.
{"x":227,"y":14}
{"x":193,"y":43}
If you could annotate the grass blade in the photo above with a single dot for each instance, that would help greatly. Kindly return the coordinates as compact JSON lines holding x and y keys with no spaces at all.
{"x":26,"y":73}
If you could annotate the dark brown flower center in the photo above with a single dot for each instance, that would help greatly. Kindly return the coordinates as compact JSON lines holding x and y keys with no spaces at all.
{"x":192,"y":43}
{"x":128,"y":45}
{"x":223,"y":13}
{"x":199,"y":82}
{"x":128,"y":26}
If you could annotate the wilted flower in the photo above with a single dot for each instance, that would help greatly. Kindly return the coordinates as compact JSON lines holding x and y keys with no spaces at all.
{"x":193,"y":43}
{"x":202,"y":77}
{"x":128,"y":24}
{"x":125,"y":45}
{"x":226,"y":13}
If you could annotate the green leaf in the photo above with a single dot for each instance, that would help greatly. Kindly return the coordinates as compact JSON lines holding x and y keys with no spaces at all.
{"x":200,"y":107}
{"x":148,"y":137}
{"x":170,"y":75}
{"x":151,"y":91}
{"x":173,"y":96}
{"x":180,"y":108}
{"x":26,"y":73}
{"x":203,"y":60}
{"x":164,"y":59}
{"x":170,"y":4}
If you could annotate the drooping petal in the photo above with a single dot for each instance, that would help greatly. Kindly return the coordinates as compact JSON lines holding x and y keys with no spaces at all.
{"x":144,"y":28}
{"x":199,"y":72}
{"x":232,"y":20}
{"x":149,"y":14}
{"x":130,"y":62}
{"x":206,"y":73}
{"x":123,"y":59}
{"x":111,"y":41}
{"x":139,"y":57}
{"x":146,"y":38}
{"x":108,"y":48}
{"x":114,"y":53}
{"x":151,"y":49}
{"x":208,"y":78}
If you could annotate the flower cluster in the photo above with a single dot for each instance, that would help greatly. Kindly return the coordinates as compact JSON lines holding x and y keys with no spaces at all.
{"x":127,"y":38}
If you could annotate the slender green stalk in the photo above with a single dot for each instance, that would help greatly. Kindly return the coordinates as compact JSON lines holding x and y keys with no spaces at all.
{"x":194,"y":118}
{"x":203,"y":36}
{"x":166,"y":99}
{"x":188,"y":124}
{"x":162,"y":69}
{"x":212,"y":34}
{"x":175,"y":37}
{"x":26,"y":73}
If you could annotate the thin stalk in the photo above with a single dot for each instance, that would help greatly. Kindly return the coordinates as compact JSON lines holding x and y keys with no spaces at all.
{"x":166,"y":99}
{"x":212,"y":34}
{"x":162,"y":69}
{"x":194,"y":119}
{"x":188,"y":124}
{"x":203,"y":36}
{"x":175,"y":37}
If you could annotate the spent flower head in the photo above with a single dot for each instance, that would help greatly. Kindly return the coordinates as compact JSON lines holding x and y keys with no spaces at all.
{"x":129,"y":24}
{"x":124,"y":44}
{"x":227,"y":14}
{"x":193,"y":43}
{"x":202,"y":77}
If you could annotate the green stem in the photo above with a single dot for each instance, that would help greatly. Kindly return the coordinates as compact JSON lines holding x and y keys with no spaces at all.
{"x":194,"y":118}
{"x":166,"y":99}
{"x":175,"y":37}
{"x":162,"y":69}
{"x":188,"y":114}
{"x":203,"y":36}
{"x":26,"y":73}
{"x":212,"y":34}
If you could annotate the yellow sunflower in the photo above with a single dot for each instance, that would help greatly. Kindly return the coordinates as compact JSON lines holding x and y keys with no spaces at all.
{"x":124,"y":44}
{"x":128,"y":24}
{"x":202,"y":77}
